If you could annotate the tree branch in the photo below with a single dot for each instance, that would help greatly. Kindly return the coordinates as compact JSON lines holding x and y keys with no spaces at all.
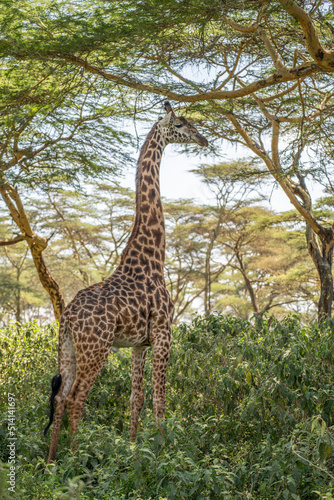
{"x":12,"y":241}
{"x":274,"y":167}
{"x":325,"y":58}
{"x":303,"y":70}
{"x":278,"y":63}
{"x":251,"y":28}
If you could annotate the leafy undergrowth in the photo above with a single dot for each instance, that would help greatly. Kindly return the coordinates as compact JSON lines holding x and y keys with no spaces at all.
{"x":250,"y":410}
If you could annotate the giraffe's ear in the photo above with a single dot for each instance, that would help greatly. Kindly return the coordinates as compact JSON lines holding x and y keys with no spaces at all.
{"x":166,"y":120}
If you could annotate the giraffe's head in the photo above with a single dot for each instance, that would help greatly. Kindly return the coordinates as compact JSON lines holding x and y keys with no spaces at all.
{"x":177,"y":129}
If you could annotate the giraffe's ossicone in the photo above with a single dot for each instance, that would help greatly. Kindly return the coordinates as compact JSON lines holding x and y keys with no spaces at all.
{"x":132,"y":308}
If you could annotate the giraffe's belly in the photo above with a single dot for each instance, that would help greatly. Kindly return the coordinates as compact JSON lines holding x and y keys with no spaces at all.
{"x":131,"y":335}
{"x":128,"y":340}
{"x":119,"y":343}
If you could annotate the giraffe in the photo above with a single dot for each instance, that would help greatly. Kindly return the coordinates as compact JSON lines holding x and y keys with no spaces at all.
{"x":131,"y":308}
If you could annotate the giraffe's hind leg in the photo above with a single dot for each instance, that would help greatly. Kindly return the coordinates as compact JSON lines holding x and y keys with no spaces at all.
{"x":86,"y":373}
{"x":137,"y":396}
{"x":67,"y":366}
{"x":161,"y":351}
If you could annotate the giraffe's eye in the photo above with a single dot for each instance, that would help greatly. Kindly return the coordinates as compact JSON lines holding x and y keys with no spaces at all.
{"x":178,"y":125}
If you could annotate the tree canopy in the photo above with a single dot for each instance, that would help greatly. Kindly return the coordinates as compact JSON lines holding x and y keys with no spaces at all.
{"x":253,"y":72}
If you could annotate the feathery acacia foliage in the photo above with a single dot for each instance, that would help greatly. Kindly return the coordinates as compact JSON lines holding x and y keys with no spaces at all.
{"x":253,"y":72}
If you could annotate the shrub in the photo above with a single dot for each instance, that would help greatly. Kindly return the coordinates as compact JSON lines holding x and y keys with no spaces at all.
{"x":249,"y":416}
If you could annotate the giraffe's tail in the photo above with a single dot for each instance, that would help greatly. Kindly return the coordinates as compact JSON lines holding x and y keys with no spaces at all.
{"x":55,"y":386}
{"x":57,"y":379}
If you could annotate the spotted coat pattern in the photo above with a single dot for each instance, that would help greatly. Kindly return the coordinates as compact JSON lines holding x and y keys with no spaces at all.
{"x":132,"y":308}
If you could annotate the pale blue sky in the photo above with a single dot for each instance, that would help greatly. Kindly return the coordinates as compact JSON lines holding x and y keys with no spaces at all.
{"x":177,"y":180}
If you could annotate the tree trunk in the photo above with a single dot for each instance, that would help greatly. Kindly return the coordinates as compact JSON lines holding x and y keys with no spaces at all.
{"x":208,"y":281}
{"x":252,"y":294}
{"x":249,"y":286}
{"x":36,"y":245}
{"x":207,"y":278}
{"x":18,"y":298}
{"x":48,"y":282}
{"x":322,"y":256}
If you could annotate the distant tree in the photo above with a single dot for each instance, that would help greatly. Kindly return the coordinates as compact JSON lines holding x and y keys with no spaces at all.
{"x":271,"y":269}
{"x":89,"y":230}
{"x":184,"y":255}
{"x":232,"y":184}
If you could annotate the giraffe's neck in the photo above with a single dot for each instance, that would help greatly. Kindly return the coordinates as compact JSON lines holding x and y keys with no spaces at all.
{"x":147,"y":240}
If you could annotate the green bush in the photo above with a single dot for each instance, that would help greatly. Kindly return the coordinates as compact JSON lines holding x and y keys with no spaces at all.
{"x":250,"y":411}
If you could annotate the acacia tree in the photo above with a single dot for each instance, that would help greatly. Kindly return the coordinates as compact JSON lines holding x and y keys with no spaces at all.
{"x":269,"y":261}
{"x":51,"y":132}
{"x":232,"y":185}
{"x":142,"y":44}
{"x":239,"y":236}
{"x":14,"y":286}
{"x":185,"y":249}
{"x":267,"y":87}
{"x":88,"y":232}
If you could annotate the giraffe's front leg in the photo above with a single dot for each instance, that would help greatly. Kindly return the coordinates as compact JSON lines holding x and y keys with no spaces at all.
{"x":161,"y":351}
{"x":137,"y":396}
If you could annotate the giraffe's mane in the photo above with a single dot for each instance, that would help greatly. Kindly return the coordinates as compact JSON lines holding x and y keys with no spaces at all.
{"x":138,"y":180}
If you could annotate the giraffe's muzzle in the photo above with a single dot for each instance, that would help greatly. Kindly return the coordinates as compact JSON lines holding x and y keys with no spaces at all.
{"x":201,"y":141}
